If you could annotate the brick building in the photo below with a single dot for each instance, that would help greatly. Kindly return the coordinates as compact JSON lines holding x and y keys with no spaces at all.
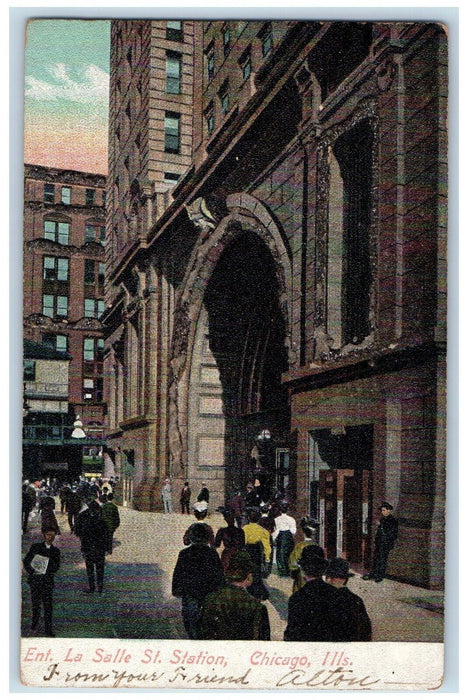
{"x":282,"y":315}
{"x":63,"y":285}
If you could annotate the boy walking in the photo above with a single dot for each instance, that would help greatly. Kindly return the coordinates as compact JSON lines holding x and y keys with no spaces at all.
{"x":41,"y":564}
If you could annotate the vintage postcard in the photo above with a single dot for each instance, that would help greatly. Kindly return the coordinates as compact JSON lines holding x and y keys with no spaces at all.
{"x":234,"y":342}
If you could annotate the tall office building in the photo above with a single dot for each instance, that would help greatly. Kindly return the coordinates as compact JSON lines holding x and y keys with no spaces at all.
{"x":279,"y":314}
{"x":63,"y":286}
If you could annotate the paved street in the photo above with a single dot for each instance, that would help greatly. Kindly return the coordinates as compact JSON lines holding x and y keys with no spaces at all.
{"x":137,"y":601}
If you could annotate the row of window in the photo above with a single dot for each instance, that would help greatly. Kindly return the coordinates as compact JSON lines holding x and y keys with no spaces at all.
{"x":66,"y":195}
{"x":93,"y":348}
{"x":59,"y":232}
{"x":265,"y":36}
{"x":56,"y":306}
{"x":245,"y":63}
{"x":93,"y":351}
{"x":57,"y":270}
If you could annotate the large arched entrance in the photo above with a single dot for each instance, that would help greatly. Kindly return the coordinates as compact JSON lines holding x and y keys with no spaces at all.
{"x":237,"y":409}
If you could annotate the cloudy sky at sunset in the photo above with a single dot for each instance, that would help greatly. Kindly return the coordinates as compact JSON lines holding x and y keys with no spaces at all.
{"x":66,"y":94}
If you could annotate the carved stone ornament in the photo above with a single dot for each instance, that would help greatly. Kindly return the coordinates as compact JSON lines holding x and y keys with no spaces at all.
{"x":181,"y":334}
{"x":87,"y":324}
{"x":200,"y":215}
{"x":385,"y":75}
{"x":38,"y":320}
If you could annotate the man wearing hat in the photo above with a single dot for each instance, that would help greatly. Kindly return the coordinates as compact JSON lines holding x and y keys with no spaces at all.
{"x":351,"y":609}
{"x":198,"y":571}
{"x":204,"y":494}
{"x":231,"y":612}
{"x":312,"y":613}
{"x":385,"y":538}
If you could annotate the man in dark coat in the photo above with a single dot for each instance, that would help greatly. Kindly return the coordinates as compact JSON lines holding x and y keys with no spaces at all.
{"x":41,"y":563}
{"x":64,"y":492}
{"x":73,"y":504}
{"x":312,"y":614}
{"x":28,"y":503}
{"x":94,"y":536}
{"x":357,"y":626}
{"x":237,"y":506}
{"x":185,"y":498}
{"x":204,"y":494}
{"x":231,"y":612}
{"x":198,"y":571}
{"x":385,"y":538}
{"x":111,"y":516}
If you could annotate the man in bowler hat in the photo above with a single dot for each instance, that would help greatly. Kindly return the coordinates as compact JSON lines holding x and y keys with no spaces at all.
{"x":312,"y":613}
{"x":385,"y":538}
{"x":351,"y":609}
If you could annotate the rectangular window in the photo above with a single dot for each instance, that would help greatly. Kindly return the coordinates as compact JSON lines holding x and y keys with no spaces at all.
{"x":266,"y":37}
{"x":174,"y":30}
{"x":89,"y":308}
{"x":210,"y":65}
{"x":103,"y":198}
{"x":88,"y":349}
{"x":210,"y":119}
{"x":100,"y":307}
{"x":48,"y":265}
{"x":95,"y":233}
{"x":100,"y":348}
{"x":62,"y":306}
{"x":57,"y":231}
{"x":29,"y":370}
{"x":226,"y":40}
{"x":89,"y":272}
{"x":63,"y":232}
{"x":55,"y":342}
{"x":173,"y":66}
{"x":88,"y":389}
{"x":246,"y":65}
{"x":101,"y":273}
{"x":48,"y":305}
{"x":54,"y":305}
{"x":62,"y":269}
{"x":66,"y":195}
{"x":90,"y":196}
{"x":224,"y":98}
{"x":49,"y":193}
{"x":90,"y":233}
{"x":171,"y":132}
{"x":61,"y":343}
{"x":171,"y":178}
{"x":50,"y":230}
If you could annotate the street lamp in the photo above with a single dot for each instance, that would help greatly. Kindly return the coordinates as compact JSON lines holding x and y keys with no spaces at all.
{"x":78,"y":431}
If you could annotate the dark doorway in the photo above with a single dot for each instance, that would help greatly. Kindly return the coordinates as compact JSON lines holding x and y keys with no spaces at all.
{"x":246,"y":337}
{"x":342,"y":490}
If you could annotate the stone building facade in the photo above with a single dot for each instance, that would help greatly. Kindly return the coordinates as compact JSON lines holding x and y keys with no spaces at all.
{"x":63,"y":284}
{"x":280,"y":314}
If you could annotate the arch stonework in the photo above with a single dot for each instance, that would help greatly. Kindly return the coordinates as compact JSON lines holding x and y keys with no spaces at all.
{"x":244,"y":213}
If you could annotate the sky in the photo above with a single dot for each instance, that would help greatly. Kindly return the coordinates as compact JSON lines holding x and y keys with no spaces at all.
{"x":66,"y":90}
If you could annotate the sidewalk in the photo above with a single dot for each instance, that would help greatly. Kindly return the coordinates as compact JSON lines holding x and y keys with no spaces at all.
{"x":137,"y":603}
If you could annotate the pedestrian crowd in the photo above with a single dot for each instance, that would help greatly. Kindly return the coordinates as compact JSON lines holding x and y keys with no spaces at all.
{"x":92,"y":516}
{"x":223,"y":594}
